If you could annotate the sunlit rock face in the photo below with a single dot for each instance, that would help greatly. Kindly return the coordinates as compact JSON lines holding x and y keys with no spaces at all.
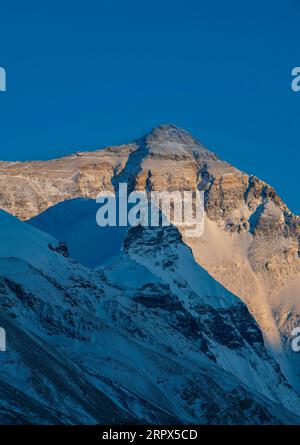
{"x":29,"y":188}
{"x":251,"y":239}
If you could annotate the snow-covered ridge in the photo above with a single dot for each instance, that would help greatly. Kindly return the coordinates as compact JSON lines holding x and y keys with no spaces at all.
{"x":128,"y":342}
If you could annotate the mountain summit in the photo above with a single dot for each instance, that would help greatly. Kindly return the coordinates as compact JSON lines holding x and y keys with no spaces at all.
{"x":251,"y":239}
{"x":171,"y":133}
{"x":171,"y":140}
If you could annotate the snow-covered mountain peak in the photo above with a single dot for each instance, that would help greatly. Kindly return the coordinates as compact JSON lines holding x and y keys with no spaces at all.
{"x":168,"y":139}
{"x":156,"y":302}
{"x":172,"y":133}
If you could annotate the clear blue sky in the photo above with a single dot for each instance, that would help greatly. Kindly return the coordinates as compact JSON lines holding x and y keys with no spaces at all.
{"x":85,"y":74}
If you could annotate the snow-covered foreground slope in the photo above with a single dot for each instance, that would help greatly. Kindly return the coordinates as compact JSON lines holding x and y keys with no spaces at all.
{"x":149,"y":338}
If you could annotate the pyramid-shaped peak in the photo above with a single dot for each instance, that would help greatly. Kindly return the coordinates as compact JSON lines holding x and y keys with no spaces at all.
{"x":173,"y":133}
{"x":170,"y":139}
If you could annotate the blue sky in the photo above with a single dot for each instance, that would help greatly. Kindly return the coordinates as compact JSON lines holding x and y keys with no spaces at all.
{"x":82,"y":75}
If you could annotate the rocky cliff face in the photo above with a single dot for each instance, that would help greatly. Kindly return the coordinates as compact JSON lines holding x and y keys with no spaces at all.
{"x":29,"y":188}
{"x":251,"y":239}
